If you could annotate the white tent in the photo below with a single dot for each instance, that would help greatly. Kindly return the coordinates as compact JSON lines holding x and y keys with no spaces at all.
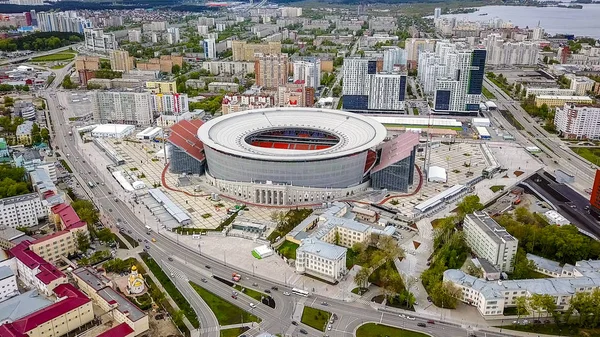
{"x":263,"y":251}
{"x":436,"y":174}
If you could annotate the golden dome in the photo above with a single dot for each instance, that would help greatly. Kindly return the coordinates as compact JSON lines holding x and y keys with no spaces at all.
{"x":133,"y":268}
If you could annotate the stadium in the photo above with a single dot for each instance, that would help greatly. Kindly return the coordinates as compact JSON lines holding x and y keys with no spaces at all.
{"x":287,"y":156}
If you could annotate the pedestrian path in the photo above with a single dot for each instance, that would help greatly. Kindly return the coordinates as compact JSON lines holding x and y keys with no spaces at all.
{"x":240,"y":325}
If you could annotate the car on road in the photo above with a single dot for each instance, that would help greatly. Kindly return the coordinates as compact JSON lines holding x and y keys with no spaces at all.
{"x":267,"y":291}
{"x":431,"y":321}
{"x":274,"y":288}
{"x":147,"y":247}
{"x":402,"y":316}
{"x":423,"y":325}
{"x":329,"y":327}
{"x":207,"y":267}
{"x":294,"y":323}
{"x":252,"y":305}
{"x":171,"y":259}
{"x":302,"y":331}
{"x":324,"y":303}
{"x":129,"y":231}
{"x":139,"y":240}
{"x":153,"y":240}
{"x":203,"y":280}
{"x":410,"y":318}
{"x":234,"y":297}
{"x":286,"y":293}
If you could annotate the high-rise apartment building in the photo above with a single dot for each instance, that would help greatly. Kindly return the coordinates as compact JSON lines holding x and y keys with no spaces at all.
{"x":202,"y":30}
{"x":170,"y":104}
{"x":98,"y":41}
{"x":309,"y":71}
{"x":173,"y":36}
{"x":538,"y":33}
{"x":271,"y":70}
{"x":576,"y":121}
{"x":121,"y":61}
{"x":501,"y":52}
{"x":414,"y":47}
{"x":243,"y":51}
{"x":490,"y":241}
{"x":364,"y":88}
{"x":394,"y":59}
{"x":437,"y":13}
{"x":454,"y":74}
{"x":134,"y":35}
{"x":67,"y":21}
{"x":133,"y":108}
{"x":22,"y":210}
{"x":210,"y":51}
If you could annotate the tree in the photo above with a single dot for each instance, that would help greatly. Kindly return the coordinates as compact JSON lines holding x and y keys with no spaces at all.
{"x":105,"y":235}
{"x":545,"y":59}
{"x":390,"y":248}
{"x":521,"y":303}
{"x":45,"y":134}
{"x":536,"y":303}
{"x":523,"y":267}
{"x":82,"y":241}
{"x":444,"y":295}
{"x":86,"y":211}
{"x":362,"y":277}
{"x":280,"y":218}
{"x":469,"y":204}
{"x":175,"y":69}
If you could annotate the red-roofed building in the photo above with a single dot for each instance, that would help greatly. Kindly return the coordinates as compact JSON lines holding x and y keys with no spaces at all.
{"x":72,"y":310}
{"x":187,"y":153}
{"x":36,"y":272}
{"x":121,"y":330}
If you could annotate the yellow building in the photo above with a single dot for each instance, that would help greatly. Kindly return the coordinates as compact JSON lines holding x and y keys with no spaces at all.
{"x":87,"y":63}
{"x":121,"y":61}
{"x":71,"y":311}
{"x":99,"y":289}
{"x":162,"y":87}
{"x":135,"y":282}
{"x":53,"y":246}
{"x":243,"y":51}
{"x":554,"y":101}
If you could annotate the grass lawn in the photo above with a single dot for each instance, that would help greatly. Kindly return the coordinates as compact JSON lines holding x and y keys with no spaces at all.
{"x":497,"y":188}
{"x":590,"y":154}
{"x":375,"y":277}
{"x":315,"y":318}
{"x":131,"y":240}
{"x":54,"y":57}
{"x":487,"y":93}
{"x":552,"y":329}
{"x":225,"y":312}
{"x":456,"y":128}
{"x":164,"y":302}
{"x":288,"y":249}
{"x":377,"y":330}
{"x":351,"y":256}
{"x":357,"y":289}
{"x":233,"y":332}
{"x":415,"y":111}
{"x":66,"y":166}
{"x":250,"y":292}
{"x":58,"y":66}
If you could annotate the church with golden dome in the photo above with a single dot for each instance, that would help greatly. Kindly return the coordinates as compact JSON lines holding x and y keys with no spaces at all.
{"x":135,"y":282}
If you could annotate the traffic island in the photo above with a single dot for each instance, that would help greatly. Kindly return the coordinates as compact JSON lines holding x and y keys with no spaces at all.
{"x":377,"y":330}
{"x":315,"y":318}
{"x":226,"y":312}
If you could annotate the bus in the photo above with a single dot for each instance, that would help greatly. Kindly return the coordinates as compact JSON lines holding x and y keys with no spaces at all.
{"x":300,"y":292}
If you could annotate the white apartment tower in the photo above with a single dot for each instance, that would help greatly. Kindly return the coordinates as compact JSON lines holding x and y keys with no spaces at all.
{"x":501,"y":52}
{"x":98,"y":41}
{"x":309,"y":71}
{"x":22,"y":210}
{"x":578,"y":121}
{"x":490,"y":241}
{"x":173,"y":36}
{"x":394,"y":59}
{"x":437,"y":13}
{"x":210,"y":51}
{"x":133,"y":108}
{"x":134,"y":35}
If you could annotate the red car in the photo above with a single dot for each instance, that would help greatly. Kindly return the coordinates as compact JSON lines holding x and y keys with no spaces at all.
{"x":431,"y":321}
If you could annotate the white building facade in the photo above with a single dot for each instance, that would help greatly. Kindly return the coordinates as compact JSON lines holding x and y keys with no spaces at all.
{"x":8,"y":283}
{"x":321,"y":259}
{"x":134,"y":108}
{"x":210,"y":51}
{"x":23,"y":210}
{"x":170,"y":104}
{"x":578,"y":121}
{"x":490,"y":241}
{"x":98,"y":41}
{"x":501,"y":52}
{"x":309,"y":71}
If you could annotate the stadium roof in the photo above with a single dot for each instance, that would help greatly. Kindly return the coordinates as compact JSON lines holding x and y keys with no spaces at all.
{"x":228,"y":133}
{"x":184,"y":135}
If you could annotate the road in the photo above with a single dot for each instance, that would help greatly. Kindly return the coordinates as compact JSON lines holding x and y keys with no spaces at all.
{"x":25,"y":58}
{"x":191,"y":265}
{"x":550,"y":144}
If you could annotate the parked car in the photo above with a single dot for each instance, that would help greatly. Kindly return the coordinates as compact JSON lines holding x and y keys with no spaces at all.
{"x":294,"y":323}
{"x":302,"y":331}
{"x":207,"y":267}
{"x":285,"y":293}
{"x":267,"y":291}
{"x":423,"y":325}
{"x":274,"y":288}
{"x":171,"y":259}
{"x":431,"y":321}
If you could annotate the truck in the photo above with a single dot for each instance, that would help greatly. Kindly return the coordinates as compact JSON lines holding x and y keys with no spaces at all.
{"x":236,"y":277}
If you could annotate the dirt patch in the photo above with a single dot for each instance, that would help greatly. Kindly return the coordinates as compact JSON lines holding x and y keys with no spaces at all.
{"x":518,"y":173}
{"x":416,"y":244}
{"x":435,"y":223}
{"x":414,"y":225}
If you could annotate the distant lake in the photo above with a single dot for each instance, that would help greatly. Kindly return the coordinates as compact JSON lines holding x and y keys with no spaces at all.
{"x":554,"y":20}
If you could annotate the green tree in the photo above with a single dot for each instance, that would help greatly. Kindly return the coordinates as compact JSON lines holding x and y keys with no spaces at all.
{"x":445,"y":295}
{"x":45,"y":134}
{"x":469,"y":204}
{"x":521,"y":304}
{"x":82,"y":241}
{"x":361,"y":278}
{"x":105,"y":235}
{"x":175,"y":69}
{"x":280,"y":218}
{"x":523,"y":267}
{"x":86,"y":211}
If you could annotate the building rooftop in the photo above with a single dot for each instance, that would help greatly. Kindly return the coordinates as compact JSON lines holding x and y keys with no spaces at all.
{"x":24,"y":129}
{"x":123,"y":305}
{"x":22,"y":305}
{"x":5,"y":272}
{"x":321,"y":248}
{"x":19,"y":198}
{"x":9,"y":233}
{"x":91,"y":278}
{"x":113,"y":128}
{"x":543,"y":263}
{"x":47,"y":272}
{"x":73,"y":298}
{"x":575,"y":98}
{"x":68,"y":216}
{"x":121,"y":330}
{"x":175,"y":211}
{"x":490,"y":227}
